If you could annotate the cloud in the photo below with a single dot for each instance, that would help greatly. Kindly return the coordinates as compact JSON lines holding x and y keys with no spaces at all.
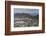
{"x":29,"y":11}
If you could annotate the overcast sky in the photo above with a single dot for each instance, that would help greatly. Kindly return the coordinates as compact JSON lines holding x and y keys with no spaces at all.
{"x":29,"y":11}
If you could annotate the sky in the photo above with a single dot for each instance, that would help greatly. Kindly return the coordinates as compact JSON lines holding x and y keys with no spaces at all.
{"x":29,"y":11}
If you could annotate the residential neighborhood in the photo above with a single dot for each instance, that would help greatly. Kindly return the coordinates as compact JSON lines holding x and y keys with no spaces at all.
{"x":25,"y":20}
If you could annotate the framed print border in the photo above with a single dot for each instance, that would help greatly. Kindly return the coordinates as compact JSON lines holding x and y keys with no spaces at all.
{"x":8,"y":17}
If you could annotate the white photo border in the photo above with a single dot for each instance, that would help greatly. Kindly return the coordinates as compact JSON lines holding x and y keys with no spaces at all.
{"x":25,"y":28}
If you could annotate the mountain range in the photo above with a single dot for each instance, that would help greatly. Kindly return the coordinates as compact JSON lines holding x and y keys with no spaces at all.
{"x":25,"y":15}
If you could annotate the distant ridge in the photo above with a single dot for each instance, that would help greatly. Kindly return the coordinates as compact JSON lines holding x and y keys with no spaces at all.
{"x":25,"y":15}
{"x":21,"y":15}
